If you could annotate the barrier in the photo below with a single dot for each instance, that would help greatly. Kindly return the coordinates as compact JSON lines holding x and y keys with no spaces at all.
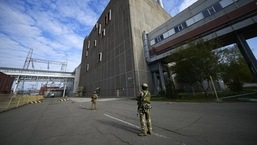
{"x":15,"y":101}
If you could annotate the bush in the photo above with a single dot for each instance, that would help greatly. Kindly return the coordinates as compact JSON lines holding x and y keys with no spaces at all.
{"x":235,"y":86}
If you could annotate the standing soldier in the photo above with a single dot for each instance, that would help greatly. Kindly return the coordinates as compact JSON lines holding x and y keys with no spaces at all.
{"x":143,"y":102}
{"x":93,"y":100}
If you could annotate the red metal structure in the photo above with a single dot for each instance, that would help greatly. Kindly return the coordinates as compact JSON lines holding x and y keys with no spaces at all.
{"x":6,"y":82}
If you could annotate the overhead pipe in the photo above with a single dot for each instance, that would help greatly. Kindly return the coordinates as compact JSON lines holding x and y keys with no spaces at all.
{"x":146,"y":48}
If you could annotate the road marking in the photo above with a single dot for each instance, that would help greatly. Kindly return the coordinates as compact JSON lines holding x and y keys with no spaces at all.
{"x":130,"y":124}
{"x":62,"y":100}
{"x":35,"y":102}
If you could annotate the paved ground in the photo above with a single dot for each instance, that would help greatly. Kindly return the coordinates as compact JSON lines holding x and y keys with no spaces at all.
{"x":115,"y":122}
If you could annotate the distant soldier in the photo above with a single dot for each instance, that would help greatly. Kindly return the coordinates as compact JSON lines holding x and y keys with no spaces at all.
{"x":93,"y":100}
{"x":143,"y":102}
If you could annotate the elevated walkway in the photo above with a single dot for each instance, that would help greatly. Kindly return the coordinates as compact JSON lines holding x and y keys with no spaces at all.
{"x":38,"y":75}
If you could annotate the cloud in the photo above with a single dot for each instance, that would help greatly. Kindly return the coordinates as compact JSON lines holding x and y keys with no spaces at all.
{"x":13,"y":54}
{"x":185,"y":4}
{"x":53,"y":29}
{"x":175,"y":6}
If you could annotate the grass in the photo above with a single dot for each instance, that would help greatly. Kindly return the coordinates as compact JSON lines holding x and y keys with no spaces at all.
{"x":185,"y":97}
{"x":200,"y":97}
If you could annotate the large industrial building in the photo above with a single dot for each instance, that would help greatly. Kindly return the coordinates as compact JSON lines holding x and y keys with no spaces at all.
{"x":132,"y":38}
{"x":113,"y":58}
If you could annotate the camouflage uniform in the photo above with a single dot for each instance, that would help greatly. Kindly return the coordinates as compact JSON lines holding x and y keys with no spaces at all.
{"x":143,"y":102}
{"x":93,"y":100}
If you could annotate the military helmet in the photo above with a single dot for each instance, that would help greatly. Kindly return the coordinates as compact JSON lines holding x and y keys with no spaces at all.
{"x":144,"y":86}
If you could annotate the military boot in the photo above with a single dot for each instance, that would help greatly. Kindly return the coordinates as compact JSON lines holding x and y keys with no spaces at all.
{"x":142,"y":134}
{"x":149,"y":132}
{"x":149,"y":126}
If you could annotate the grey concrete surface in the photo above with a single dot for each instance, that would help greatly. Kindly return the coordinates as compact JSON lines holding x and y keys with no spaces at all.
{"x":115,"y":122}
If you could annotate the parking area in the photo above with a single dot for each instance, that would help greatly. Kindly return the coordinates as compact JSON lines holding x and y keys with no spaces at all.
{"x":115,"y":122}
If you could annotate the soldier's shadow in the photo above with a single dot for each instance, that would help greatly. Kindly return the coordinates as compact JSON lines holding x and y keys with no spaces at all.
{"x":83,"y":107}
{"x":120,"y":126}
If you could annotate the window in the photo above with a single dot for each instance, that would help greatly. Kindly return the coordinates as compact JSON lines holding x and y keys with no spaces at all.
{"x":165,"y":35}
{"x":171,"y":31}
{"x":100,"y":56}
{"x":87,"y":67}
{"x":152,"y":42}
{"x":182,"y":26}
{"x":161,"y":37}
{"x":190,"y":22}
{"x":217,"y":7}
{"x":206,"y":13}
{"x":198,"y":17}
{"x":110,"y":15}
{"x":176,"y":29}
{"x":103,"y":32}
{"x":95,"y":42}
{"x":88,"y":44}
{"x":99,"y":30}
{"x":211,"y":10}
{"x":96,"y":25}
{"x":86,"y":53}
{"x":106,"y":19}
{"x":156,"y":40}
{"x":225,"y":3}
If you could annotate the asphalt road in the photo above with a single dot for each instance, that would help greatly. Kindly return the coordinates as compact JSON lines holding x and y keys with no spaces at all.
{"x":115,"y":122}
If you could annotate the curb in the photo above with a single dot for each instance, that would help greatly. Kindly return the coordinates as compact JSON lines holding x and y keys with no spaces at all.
{"x":35,"y":102}
{"x":63,"y":100}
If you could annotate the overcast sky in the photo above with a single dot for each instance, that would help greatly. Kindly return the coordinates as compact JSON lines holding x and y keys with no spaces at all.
{"x":55,"y":29}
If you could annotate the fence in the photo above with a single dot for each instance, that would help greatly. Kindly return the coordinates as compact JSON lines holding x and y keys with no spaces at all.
{"x":8,"y":102}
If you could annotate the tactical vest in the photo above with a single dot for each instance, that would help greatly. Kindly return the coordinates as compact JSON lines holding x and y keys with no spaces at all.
{"x":146,"y":97}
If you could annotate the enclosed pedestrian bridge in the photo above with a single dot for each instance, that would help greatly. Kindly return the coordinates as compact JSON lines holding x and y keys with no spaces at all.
{"x":205,"y":18}
{"x":231,"y":21}
{"x":38,"y":75}
{"x":31,"y":75}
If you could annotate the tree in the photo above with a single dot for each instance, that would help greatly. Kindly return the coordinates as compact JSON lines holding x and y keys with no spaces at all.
{"x":234,"y":70}
{"x":196,"y":63}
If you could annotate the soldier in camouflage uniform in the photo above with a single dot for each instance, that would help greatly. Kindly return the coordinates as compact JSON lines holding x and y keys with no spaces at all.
{"x":93,"y":100}
{"x":143,"y":102}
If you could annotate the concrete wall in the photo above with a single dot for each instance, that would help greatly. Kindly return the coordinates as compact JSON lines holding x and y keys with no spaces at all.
{"x":76,"y":80}
{"x":145,"y":15}
{"x":122,"y":68}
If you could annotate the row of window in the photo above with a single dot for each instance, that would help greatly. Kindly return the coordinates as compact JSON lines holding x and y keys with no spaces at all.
{"x":100,"y":58}
{"x":88,"y":43}
{"x":100,"y":31}
{"x":204,"y":14}
{"x":107,"y":19}
{"x":98,"y":27}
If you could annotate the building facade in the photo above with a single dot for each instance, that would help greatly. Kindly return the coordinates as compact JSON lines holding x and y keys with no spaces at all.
{"x":231,"y":21}
{"x":113,"y":55}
